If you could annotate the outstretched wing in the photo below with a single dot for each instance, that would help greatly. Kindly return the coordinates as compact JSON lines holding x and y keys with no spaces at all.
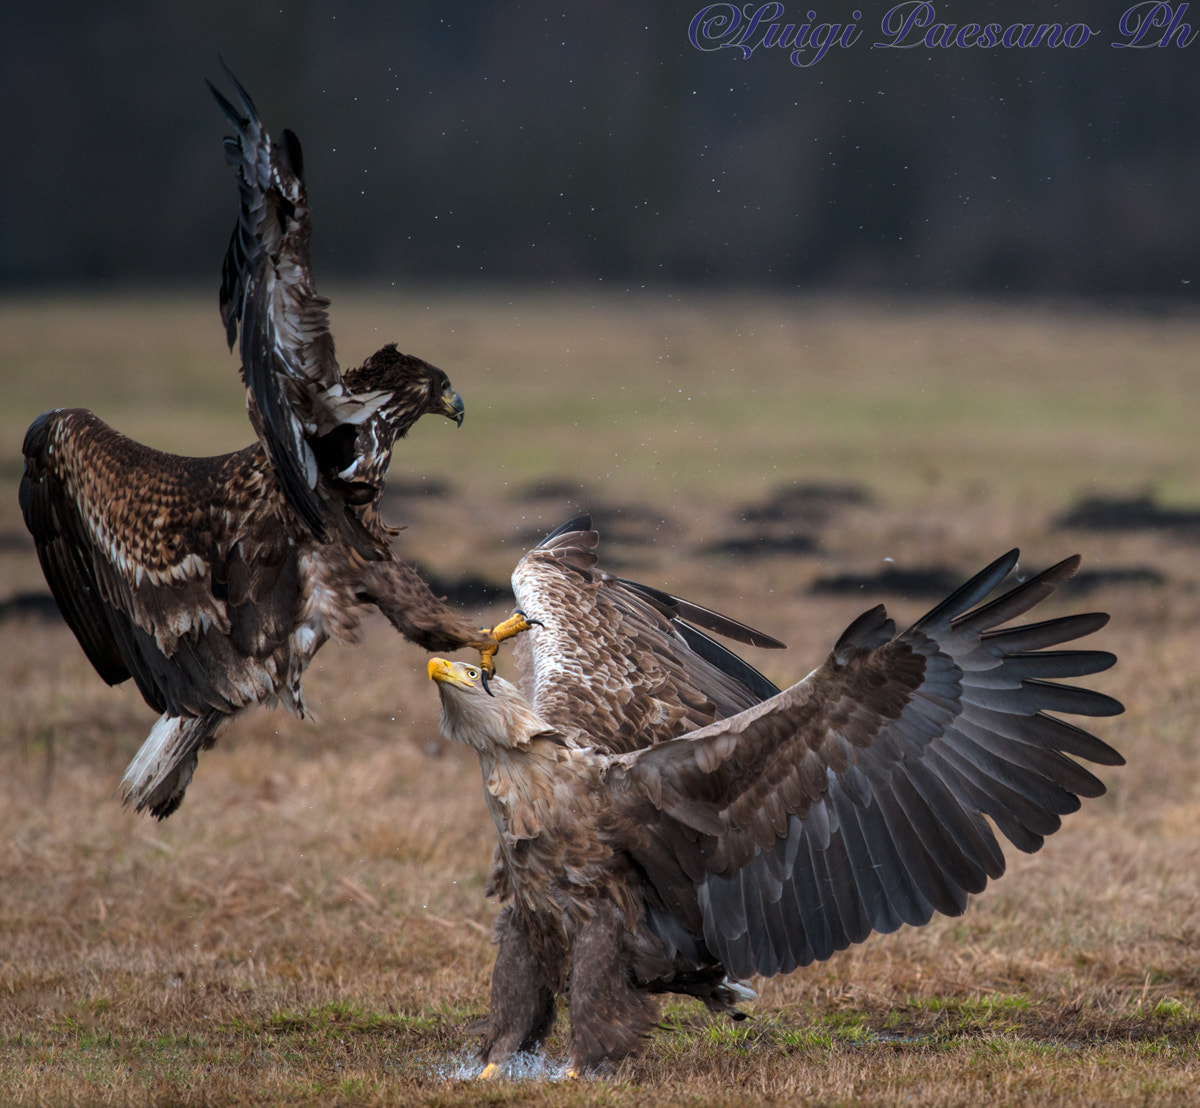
{"x":621,"y":662}
{"x":123,"y":533}
{"x":288,"y":362}
{"x":855,"y":800}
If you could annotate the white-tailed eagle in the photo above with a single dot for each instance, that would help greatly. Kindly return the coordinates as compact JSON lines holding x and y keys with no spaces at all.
{"x":670,"y":822}
{"x":212,"y":582}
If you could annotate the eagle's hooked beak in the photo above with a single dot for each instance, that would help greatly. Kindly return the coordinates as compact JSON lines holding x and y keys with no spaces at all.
{"x":452,"y":406}
{"x":458,"y":674}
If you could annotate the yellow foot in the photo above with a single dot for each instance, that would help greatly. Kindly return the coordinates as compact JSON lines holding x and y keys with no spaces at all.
{"x":507,"y":629}
{"x":572,"y":1074}
{"x":489,"y":1072}
{"x":514,"y":625}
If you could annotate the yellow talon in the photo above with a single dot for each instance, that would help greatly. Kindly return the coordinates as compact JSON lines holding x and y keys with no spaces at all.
{"x":572,"y":1074}
{"x":489,"y":1072}
{"x":514,"y":625}
{"x":507,"y":629}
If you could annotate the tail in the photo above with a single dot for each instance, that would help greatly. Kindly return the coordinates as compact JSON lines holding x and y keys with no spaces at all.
{"x":162,"y":769}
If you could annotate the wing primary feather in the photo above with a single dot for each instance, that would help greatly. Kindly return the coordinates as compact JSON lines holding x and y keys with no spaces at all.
{"x":1016,"y":601}
{"x":1036,"y":636}
{"x":675,"y":607}
{"x":1037,"y":696}
{"x":971,"y":592}
{"x":727,"y":662}
{"x":1045,"y":731}
{"x":581,"y":522}
{"x":1038,"y":666}
{"x":1049,"y":763}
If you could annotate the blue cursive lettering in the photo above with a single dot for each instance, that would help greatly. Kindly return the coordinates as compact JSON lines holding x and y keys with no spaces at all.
{"x":1154,"y":24}
{"x":911,"y":24}
{"x":721,"y":26}
{"x":900,"y":21}
{"x":711,"y":25}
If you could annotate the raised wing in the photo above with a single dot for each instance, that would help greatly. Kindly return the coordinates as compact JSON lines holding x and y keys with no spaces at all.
{"x":855,"y":800}
{"x":288,"y":363}
{"x":125,"y":535}
{"x":621,"y":662}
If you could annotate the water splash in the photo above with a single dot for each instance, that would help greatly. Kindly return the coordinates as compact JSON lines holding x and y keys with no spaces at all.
{"x":523,"y":1066}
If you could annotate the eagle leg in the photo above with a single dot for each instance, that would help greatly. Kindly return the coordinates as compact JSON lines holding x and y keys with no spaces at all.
{"x":398,"y":591}
{"x":507,"y":629}
{"x":610,"y":1015}
{"x":522,"y":1010}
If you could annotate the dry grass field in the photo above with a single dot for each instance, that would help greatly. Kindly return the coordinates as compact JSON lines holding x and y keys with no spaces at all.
{"x":310,"y":927}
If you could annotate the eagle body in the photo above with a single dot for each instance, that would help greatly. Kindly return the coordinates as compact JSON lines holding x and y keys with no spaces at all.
{"x":212,"y":582}
{"x":569,"y":883}
{"x":541,"y":797}
{"x":735,"y":829}
{"x":194,"y":577}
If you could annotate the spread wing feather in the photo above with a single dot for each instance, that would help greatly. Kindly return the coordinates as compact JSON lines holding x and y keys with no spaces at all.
{"x":267,"y":292}
{"x":855,"y":801}
{"x":129,"y":539}
{"x":64,"y":549}
{"x":614,"y":661}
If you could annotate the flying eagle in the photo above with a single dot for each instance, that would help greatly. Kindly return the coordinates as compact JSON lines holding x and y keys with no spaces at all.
{"x":212,"y":582}
{"x":670,"y":822}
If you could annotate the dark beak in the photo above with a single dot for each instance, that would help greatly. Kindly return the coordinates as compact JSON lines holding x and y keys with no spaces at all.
{"x":452,"y":406}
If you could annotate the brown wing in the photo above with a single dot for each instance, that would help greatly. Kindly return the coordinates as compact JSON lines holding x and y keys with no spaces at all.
{"x":622,"y":662}
{"x":159,"y":564}
{"x":854,"y":801}
{"x":288,"y":362}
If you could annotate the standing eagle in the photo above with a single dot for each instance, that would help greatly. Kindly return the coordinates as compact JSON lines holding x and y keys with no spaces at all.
{"x":212,"y":582}
{"x":670,"y":822}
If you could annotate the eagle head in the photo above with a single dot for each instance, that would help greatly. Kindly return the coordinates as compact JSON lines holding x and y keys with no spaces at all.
{"x":415,"y":388}
{"x":482,"y":712}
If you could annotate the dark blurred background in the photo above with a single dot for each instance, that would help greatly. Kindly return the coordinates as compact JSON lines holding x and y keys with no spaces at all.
{"x":546,"y":142}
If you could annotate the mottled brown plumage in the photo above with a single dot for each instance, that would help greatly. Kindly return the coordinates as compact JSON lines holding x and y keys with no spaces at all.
{"x":668,"y":822}
{"x":213,"y":581}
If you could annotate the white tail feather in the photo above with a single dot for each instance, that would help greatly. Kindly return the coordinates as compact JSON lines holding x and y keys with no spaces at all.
{"x":162,"y":769}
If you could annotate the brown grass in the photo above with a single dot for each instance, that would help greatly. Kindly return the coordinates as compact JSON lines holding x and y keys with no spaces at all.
{"x":310,"y":926}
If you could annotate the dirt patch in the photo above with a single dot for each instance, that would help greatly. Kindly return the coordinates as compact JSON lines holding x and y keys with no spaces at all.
{"x":33,"y":605}
{"x":1139,"y":513}
{"x":933,"y":582}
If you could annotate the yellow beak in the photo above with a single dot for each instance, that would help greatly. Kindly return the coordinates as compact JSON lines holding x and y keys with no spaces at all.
{"x":449,"y":673}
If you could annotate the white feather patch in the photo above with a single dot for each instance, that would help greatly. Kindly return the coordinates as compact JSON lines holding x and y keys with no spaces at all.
{"x":153,"y":759}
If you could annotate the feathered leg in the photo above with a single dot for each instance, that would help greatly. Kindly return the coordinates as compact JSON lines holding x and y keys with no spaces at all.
{"x":610,"y":1016}
{"x":522,"y":1011}
{"x":397,"y":590}
{"x":162,"y":769}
